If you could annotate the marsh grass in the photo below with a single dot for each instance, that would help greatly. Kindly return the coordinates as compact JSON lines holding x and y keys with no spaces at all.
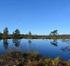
{"x":30,"y":59}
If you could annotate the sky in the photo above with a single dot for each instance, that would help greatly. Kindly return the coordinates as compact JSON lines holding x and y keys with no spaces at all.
{"x":37,"y":16}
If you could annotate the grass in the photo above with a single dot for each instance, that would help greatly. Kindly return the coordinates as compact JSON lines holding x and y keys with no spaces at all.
{"x":30,"y":59}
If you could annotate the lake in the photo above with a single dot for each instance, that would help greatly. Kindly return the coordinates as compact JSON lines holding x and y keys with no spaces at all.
{"x":49,"y":48}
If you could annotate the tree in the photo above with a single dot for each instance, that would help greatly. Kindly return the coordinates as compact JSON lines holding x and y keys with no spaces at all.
{"x":17,"y":31}
{"x":5,"y":33}
{"x":1,"y":35}
{"x":55,"y":32}
{"x":16,"y":34}
{"x":30,"y":35}
{"x":16,"y":37}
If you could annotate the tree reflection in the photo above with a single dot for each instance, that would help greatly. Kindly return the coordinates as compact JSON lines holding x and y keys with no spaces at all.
{"x":54,"y":43}
{"x":30,"y":48}
{"x":16,"y":42}
{"x":5,"y":44}
{"x":29,"y":41}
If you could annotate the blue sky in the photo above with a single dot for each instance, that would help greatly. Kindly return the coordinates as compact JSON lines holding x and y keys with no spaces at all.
{"x":37,"y":16}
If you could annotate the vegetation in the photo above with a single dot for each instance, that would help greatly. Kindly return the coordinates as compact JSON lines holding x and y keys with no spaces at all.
{"x":30,"y":35}
{"x":16,"y":35}
{"x":5,"y":33}
{"x":30,"y":59}
{"x":54,"y":34}
{"x":0,"y":35}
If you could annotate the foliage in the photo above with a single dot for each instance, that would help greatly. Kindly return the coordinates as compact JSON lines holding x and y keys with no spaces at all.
{"x":30,"y":59}
{"x":5,"y":33}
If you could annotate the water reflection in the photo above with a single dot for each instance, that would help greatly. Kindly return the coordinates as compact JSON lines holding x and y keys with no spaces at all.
{"x":54,"y":43}
{"x":66,"y":49}
{"x":16,"y":42}
{"x":29,"y":43}
{"x":5,"y":44}
{"x":66,"y":40}
{"x":42,"y":47}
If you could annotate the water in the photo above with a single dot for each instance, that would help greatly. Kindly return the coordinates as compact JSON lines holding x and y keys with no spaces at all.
{"x":49,"y":48}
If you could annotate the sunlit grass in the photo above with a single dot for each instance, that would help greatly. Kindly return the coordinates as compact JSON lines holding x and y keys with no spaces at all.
{"x":30,"y":59}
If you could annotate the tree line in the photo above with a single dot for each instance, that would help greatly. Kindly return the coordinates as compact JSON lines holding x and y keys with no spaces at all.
{"x":17,"y":35}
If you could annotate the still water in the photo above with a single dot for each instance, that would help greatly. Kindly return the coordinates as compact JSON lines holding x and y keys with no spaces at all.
{"x":49,"y":48}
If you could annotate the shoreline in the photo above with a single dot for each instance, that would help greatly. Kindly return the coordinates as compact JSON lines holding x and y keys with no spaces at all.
{"x":28,"y":59}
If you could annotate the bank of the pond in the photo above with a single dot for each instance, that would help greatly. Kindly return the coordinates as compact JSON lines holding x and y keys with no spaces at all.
{"x":30,"y":59}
